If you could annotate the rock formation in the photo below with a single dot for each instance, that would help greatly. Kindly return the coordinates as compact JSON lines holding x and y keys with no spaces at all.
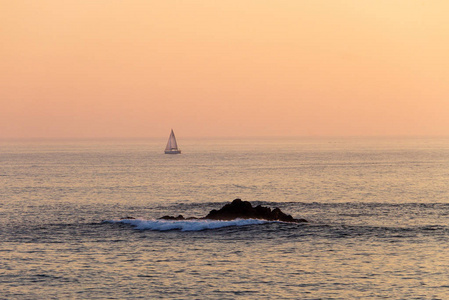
{"x":239,"y":209}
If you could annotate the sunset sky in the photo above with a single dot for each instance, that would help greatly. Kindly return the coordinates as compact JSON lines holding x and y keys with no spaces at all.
{"x":137,"y":68}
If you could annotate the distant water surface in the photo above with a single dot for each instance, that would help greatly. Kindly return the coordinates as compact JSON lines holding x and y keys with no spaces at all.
{"x":378,"y":211}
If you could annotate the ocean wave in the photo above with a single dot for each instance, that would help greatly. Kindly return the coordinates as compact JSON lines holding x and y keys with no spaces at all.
{"x":185,"y":225}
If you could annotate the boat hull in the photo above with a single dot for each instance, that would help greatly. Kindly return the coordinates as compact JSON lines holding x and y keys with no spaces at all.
{"x":172,"y":151}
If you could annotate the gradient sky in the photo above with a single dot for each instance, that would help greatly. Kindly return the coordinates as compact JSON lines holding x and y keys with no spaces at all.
{"x":136,"y":68}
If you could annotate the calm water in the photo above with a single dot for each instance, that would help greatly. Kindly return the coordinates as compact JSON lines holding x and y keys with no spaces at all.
{"x":378,"y":211}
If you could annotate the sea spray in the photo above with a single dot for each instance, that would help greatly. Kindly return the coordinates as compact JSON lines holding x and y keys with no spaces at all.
{"x":185,"y":225}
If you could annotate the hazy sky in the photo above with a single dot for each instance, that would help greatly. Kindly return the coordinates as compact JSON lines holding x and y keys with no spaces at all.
{"x":136,"y":68}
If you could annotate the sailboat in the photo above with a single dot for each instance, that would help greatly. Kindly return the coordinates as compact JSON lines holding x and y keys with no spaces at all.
{"x":172,"y":146}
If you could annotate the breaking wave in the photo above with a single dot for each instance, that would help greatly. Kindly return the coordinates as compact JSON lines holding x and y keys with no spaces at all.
{"x":185,"y":225}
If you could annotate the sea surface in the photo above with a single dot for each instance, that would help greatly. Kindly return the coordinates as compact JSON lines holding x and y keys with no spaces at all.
{"x":378,"y":211}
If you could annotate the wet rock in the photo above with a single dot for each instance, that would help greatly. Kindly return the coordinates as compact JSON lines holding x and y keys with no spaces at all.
{"x":239,"y":209}
{"x":178,"y":218}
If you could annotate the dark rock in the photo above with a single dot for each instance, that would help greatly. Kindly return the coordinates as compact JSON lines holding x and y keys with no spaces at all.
{"x":239,"y":209}
{"x":231,"y":211}
{"x":178,"y":218}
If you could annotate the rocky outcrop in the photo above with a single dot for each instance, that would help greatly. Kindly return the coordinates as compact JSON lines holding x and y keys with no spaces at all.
{"x":239,"y":209}
{"x":178,"y":218}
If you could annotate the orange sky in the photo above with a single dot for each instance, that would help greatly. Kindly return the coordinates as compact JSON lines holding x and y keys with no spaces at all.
{"x":136,"y":68}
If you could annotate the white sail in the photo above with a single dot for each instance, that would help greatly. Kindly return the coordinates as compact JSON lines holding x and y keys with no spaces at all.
{"x":172,"y":146}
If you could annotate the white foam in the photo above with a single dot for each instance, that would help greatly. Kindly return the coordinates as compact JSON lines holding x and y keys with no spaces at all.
{"x":186,"y":225}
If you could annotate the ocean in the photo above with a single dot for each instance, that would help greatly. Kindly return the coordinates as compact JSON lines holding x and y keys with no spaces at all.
{"x":378,"y":212}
